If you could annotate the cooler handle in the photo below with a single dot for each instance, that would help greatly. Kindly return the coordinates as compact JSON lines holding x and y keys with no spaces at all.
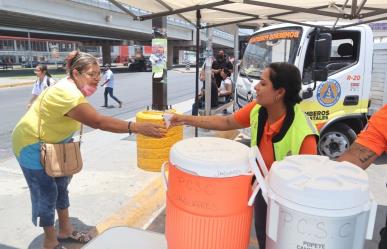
{"x":165,"y":180}
{"x":256,"y":188}
{"x":371,"y":220}
{"x":261,"y":162}
{"x":254,"y":156}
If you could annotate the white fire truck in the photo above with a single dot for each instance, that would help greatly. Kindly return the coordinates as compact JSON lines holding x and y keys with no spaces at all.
{"x":336,"y":67}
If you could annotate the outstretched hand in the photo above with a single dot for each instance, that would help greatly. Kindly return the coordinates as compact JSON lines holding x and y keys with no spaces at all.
{"x":177,"y":119}
{"x":151,"y":130}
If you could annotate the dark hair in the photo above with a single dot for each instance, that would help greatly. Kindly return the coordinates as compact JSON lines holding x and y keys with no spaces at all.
{"x":44,"y":69}
{"x":79,"y":61}
{"x":226,"y":71}
{"x":287,"y":76}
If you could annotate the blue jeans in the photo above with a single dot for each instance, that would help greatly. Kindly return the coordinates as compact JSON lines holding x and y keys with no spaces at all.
{"x":47,"y":194}
{"x":109,"y":90}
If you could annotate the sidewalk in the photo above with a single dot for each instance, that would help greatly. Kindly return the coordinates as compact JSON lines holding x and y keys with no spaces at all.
{"x":192,"y":69}
{"x":14,"y":81}
{"x":109,"y":183}
{"x":110,"y":190}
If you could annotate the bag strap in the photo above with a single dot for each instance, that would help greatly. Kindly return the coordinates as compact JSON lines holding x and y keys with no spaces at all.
{"x":80,"y":133}
{"x":40,"y":114}
{"x":40,"y":118}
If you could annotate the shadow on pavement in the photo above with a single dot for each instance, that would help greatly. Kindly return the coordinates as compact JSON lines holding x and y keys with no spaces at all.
{"x":78,"y":225}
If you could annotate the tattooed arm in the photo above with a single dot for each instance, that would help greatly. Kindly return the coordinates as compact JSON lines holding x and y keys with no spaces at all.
{"x":359,"y":155}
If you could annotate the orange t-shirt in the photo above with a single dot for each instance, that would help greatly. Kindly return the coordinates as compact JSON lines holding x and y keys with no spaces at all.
{"x":309,"y":146}
{"x":374,"y":136}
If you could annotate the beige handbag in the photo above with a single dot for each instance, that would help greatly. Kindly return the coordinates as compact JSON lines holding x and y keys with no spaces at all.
{"x":60,"y":159}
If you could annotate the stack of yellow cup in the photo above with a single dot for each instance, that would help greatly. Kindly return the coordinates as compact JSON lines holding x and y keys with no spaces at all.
{"x":153,"y":152}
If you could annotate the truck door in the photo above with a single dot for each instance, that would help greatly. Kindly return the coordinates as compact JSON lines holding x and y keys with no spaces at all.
{"x":336,"y":105}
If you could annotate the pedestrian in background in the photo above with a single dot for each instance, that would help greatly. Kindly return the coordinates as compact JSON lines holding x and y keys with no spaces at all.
{"x":108,"y":79}
{"x":221,"y":62}
{"x":61,"y":110}
{"x":278,"y":125}
{"x":225,"y":89}
{"x":43,"y":81}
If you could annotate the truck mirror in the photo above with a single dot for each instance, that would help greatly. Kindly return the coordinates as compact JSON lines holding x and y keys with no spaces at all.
{"x":307,"y":94}
{"x":320,"y":75}
{"x":322,"y":47}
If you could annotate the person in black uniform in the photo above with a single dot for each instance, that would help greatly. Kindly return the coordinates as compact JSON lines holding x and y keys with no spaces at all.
{"x":221,"y":62}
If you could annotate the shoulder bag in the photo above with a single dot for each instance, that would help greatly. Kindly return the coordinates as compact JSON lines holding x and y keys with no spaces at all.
{"x":62,"y":159}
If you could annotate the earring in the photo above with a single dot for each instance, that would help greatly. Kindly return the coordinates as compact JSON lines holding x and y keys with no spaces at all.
{"x":276,"y":98}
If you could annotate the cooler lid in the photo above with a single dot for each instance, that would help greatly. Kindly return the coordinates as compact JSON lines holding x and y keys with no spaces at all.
{"x":318,"y":182}
{"x":211,"y":157}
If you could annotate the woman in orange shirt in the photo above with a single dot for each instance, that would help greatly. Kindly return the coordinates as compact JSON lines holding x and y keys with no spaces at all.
{"x":278,"y":126}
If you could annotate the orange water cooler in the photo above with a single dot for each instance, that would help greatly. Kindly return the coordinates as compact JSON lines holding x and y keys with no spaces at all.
{"x":208,"y":188}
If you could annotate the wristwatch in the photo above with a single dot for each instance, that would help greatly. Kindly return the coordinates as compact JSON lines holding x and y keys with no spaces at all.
{"x":129,"y":130}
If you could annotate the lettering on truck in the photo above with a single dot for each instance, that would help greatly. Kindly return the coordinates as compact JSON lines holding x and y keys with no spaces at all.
{"x":275,"y":36}
{"x":318,"y":115}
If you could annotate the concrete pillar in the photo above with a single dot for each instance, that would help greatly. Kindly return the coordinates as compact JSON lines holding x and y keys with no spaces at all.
{"x":106,"y":56}
{"x":175,"y":55}
{"x":170,"y":55}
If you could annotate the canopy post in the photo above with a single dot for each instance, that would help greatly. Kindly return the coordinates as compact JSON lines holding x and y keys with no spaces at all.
{"x":208,"y":69}
{"x":159,"y":64}
{"x":236,"y":54}
{"x":198,"y":17}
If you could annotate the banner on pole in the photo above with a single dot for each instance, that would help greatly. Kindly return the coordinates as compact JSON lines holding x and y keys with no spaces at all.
{"x":159,"y":55}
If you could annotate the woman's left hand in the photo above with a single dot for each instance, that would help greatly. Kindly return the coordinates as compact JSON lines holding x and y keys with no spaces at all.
{"x":149,"y":129}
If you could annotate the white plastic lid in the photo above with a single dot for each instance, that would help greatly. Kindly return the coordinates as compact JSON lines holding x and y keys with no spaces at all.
{"x":318,"y":182}
{"x":211,"y":157}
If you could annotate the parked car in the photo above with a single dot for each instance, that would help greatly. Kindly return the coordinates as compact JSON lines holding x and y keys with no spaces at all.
{"x":140,"y":65}
{"x":5,"y":65}
{"x":27,"y":64}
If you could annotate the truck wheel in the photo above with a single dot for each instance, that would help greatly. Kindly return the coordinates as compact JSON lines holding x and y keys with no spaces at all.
{"x":335,"y":140}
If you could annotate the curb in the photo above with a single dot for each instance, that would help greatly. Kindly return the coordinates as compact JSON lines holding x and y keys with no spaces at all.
{"x":138,"y":210}
{"x":8,"y":85}
{"x":184,"y":71}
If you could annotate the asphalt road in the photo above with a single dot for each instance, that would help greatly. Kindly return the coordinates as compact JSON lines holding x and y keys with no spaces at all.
{"x":133,"y":89}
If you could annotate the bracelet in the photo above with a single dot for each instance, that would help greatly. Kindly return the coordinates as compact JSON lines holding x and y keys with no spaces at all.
{"x":129,"y":130}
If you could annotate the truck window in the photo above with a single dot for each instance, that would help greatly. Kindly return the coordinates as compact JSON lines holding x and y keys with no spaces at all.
{"x":279,"y":45}
{"x":345,"y":53}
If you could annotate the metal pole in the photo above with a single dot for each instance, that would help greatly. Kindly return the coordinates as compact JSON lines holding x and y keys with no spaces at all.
{"x":209,"y":53}
{"x":29,"y":48}
{"x":236,"y":54}
{"x":198,"y":16}
{"x":159,"y":64}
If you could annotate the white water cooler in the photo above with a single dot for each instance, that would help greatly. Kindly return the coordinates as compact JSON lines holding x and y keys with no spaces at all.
{"x":317,"y":203}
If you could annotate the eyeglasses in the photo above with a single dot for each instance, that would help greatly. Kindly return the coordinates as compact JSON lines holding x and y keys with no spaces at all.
{"x":93,"y":74}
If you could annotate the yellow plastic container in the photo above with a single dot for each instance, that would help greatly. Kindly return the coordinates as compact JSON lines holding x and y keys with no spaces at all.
{"x":153,"y":152}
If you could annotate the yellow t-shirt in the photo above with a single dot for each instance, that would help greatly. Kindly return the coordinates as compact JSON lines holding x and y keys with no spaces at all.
{"x":52,"y":104}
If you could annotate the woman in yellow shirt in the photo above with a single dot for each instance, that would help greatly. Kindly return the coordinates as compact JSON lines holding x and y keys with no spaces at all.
{"x":62,"y":108}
